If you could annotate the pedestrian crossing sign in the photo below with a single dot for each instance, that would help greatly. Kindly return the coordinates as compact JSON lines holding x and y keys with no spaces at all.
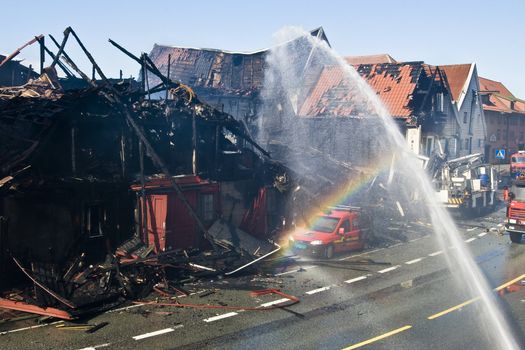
{"x":500,"y":154}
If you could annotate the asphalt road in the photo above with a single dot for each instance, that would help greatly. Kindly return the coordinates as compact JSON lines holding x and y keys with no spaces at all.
{"x":401,"y":296}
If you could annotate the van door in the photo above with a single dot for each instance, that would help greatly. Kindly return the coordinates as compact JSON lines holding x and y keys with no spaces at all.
{"x":353,"y":237}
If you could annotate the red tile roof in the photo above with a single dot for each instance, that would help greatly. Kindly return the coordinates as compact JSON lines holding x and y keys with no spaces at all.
{"x":500,"y":99}
{"x":457,"y":75}
{"x":395,"y":84}
{"x":370,"y":59}
{"x":488,"y":85}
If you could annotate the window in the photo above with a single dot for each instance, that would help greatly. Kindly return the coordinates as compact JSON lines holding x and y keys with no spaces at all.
{"x":480,"y":141}
{"x":324,"y":224}
{"x":466,"y":144}
{"x":498,"y":135}
{"x":346,"y":225}
{"x":439,"y":102}
{"x":355,"y":224}
{"x":93,"y":218}
{"x":511,"y":134}
{"x":207,"y":206}
{"x":465,"y":117}
{"x":522,"y":121}
{"x":521,"y":136}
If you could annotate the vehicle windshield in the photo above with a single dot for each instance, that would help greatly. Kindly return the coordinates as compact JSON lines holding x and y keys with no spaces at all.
{"x":324,"y":224}
{"x":519,"y":193}
{"x":520,"y":159}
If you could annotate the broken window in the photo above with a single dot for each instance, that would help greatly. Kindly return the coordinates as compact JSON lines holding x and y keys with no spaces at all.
{"x":93,"y":218}
{"x":439,"y":102}
{"x":207,"y":206}
{"x":346,"y":225}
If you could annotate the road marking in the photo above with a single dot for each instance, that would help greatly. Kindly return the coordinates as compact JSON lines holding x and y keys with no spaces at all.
{"x":413,"y":261}
{"x":364,"y":253}
{"x":436,"y":253}
{"x":220,"y":317}
{"x":383,"y":336}
{"x":360,"y":278}
{"x":470,"y":240}
{"x":505,"y":285}
{"x":449,"y":310}
{"x":499,"y":225}
{"x":482,"y":234}
{"x":31,"y":327}
{"x":275,"y":302}
{"x":318,"y":290}
{"x":395,"y":245}
{"x":388,"y":269}
{"x":417,"y":239}
{"x":159,"y":332}
{"x":124,"y":308}
{"x":439,"y":314}
{"x":471,"y":229}
{"x":96,"y":347}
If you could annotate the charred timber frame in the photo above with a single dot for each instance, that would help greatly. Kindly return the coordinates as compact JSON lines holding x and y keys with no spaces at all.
{"x":115,"y":99}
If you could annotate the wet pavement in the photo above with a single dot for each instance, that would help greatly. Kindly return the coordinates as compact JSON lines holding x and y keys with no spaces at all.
{"x":400,"y":296}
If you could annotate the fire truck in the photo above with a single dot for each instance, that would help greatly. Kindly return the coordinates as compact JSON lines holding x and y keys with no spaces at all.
{"x":338,"y":229}
{"x":466,"y":184}
{"x":515,"y":218}
{"x":517,"y":164}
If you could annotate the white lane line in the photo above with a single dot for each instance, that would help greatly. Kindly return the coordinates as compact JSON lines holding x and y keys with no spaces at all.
{"x":436,"y":253}
{"x":318,"y":290}
{"x":482,"y":234}
{"x":471,"y":229}
{"x":220,"y":317}
{"x":159,"y":332}
{"x":470,"y":240}
{"x":388,"y":269}
{"x":275,"y":302}
{"x":364,"y":253}
{"x":124,"y":308}
{"x":96,"y":347}
{"x":360,"y":278}
{"x":294,"y":271}
{"x":499,"y":225}
{"x":31,"y":327}
{"x":413,"y":261}
{"x":417,"y":239}
{"x":395,"y":245}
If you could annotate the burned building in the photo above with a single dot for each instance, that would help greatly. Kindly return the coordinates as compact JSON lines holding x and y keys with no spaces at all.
{"x":504,"y":118}
{"x":229,"y":81}
{"x":13,"y":73}
{"x":415,"y":94}
{"x":93,"y":167}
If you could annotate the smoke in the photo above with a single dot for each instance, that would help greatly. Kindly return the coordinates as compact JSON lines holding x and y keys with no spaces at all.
{"x":366,"y":138}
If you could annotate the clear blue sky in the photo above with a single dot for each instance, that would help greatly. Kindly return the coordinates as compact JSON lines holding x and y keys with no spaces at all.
{"x":490,"y":33}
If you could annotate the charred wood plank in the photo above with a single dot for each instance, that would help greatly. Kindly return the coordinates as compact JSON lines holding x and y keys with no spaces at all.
{"x":17,"y":51}
{"x":43,"y":287}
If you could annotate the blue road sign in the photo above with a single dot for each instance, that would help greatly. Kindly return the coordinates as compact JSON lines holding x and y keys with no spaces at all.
{"x":500,"y":154}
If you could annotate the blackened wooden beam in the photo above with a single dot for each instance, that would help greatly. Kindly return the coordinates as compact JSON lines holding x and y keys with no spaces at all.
{"x":88,"y":55}
{"x":168,"y":75}
{"x":61,"y":47}
{"x":17,"y":51}
{"x":52,"y":55}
